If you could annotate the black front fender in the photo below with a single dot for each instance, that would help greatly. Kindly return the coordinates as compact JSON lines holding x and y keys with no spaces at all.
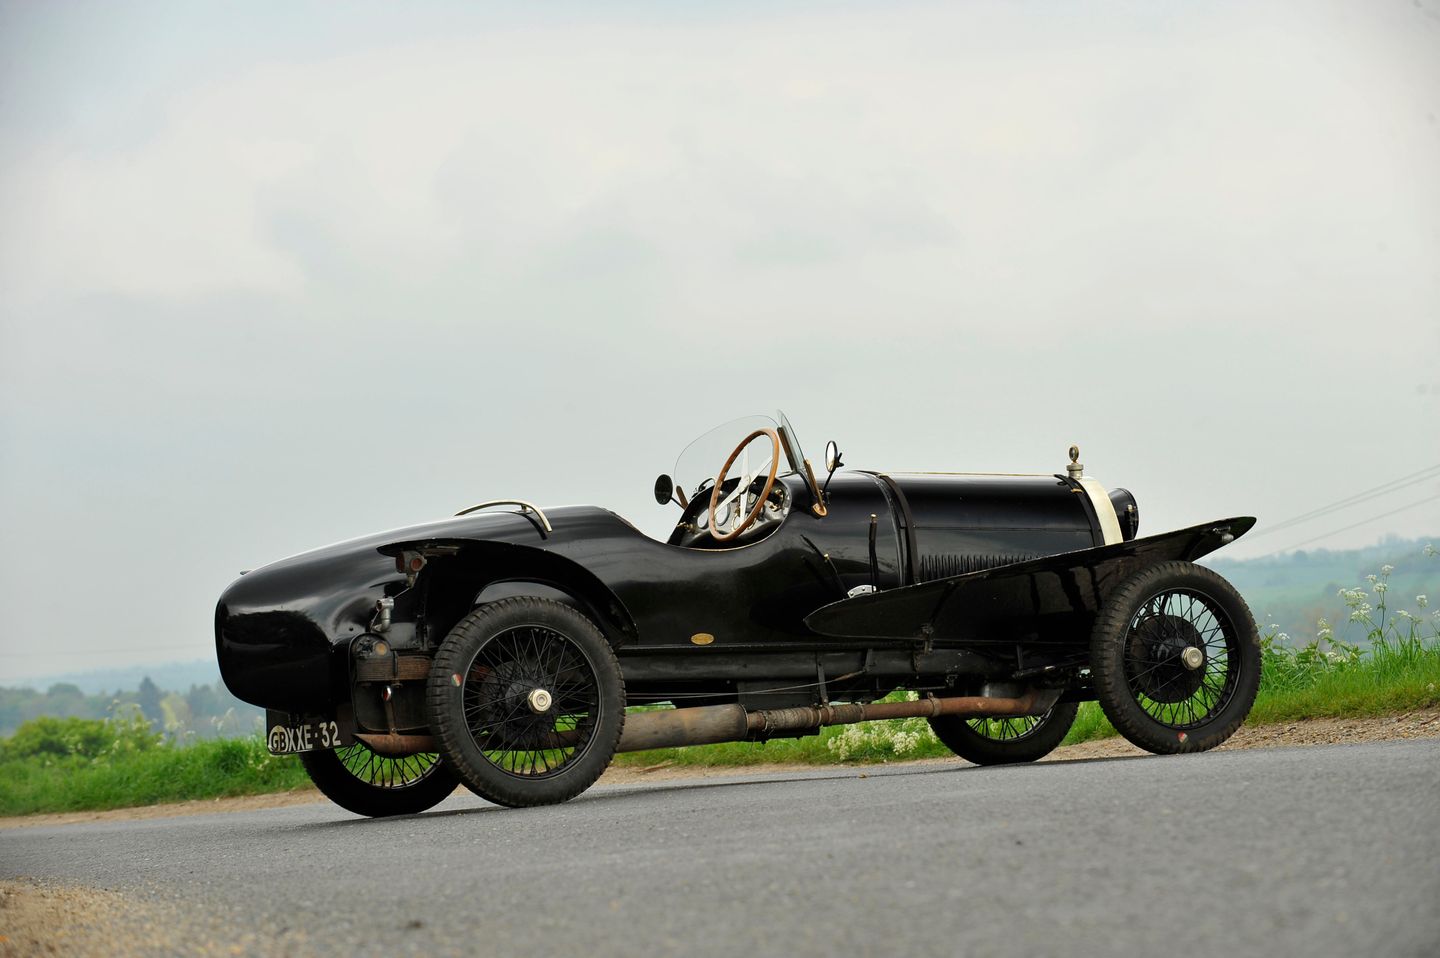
{"x":1037,"y":598}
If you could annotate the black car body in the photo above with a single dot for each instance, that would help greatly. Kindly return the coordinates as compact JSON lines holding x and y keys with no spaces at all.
{"x":980,"y":589}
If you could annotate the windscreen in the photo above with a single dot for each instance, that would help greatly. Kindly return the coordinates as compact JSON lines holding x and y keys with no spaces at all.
{"x":699,"y":463}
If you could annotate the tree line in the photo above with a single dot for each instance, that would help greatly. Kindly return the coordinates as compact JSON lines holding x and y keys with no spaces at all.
{"x":204,"y":711}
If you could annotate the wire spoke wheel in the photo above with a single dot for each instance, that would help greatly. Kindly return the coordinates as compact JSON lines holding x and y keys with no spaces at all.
{"x":527,"y":701}
{"x":1175,"y":658}
{"x":1005,"y":740}
{"x":1007,"y":729}
{"x":358,"y":778}
{"x":383,"y":771}
{"x":1174,"y":685}
{"x":500,"y":701}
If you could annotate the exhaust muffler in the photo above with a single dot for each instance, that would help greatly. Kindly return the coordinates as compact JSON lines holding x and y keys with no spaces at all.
{"x":707,"y":725}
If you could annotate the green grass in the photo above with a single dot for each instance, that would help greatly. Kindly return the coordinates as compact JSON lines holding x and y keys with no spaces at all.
{"x":1354,"y":693}
{"x":210,"y":769}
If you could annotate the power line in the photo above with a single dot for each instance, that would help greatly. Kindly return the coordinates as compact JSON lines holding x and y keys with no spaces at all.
{"x":1356,"y":525}
{"x":1394,"y":485}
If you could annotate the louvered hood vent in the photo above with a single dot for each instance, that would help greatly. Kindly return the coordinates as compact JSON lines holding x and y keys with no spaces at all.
{"x":944,"y":566}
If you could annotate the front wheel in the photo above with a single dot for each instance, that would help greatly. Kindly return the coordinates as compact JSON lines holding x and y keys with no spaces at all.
{"x":363,"y":781}
{"x":1005,"y":741}
{"x":1175,"y":658}
{"x":527,"y":700}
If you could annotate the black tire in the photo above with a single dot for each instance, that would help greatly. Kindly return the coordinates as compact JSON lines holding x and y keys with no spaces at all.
{"x":1136,"y":658}
{"x":361,"y":780}
{"x":1005,"y":741}
{"x":485,"y":717}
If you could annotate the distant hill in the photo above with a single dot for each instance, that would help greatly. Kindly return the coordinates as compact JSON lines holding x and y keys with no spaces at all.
{"x":185,"y":700}
{"x":1297,"y":589}
{"x":171,"y":676}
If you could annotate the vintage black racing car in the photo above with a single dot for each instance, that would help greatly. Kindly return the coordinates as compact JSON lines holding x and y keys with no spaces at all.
{"x":516,"y":649}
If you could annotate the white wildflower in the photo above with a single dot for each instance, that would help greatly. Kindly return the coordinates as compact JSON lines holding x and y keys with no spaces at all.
{"x":1283,"y":637}
{"x":1422,"y":601}
{"x":906,"y":742}
{"x":1386,"y":569}
{"x":1381,"y":588}
{"x":1430,"y":551}
{"x":851,"y":739}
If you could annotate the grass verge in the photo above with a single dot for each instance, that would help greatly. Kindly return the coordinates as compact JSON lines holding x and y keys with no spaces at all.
{"x":210,"y":769}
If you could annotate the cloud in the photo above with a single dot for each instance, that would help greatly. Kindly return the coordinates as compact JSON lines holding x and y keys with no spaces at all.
{"x":947,"y":156}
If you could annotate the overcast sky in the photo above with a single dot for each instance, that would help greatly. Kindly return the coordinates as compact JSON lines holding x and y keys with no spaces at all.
{"x":277,"y":275}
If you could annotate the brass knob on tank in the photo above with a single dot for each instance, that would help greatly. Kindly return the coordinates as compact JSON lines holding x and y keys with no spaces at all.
{"x":1075,"y":468}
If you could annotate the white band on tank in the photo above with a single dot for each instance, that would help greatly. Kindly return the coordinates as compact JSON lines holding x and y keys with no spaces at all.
{"x":1104,"y":510}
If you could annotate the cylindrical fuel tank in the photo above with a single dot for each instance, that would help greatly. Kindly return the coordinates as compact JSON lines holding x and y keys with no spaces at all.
{"x":955,"y":524}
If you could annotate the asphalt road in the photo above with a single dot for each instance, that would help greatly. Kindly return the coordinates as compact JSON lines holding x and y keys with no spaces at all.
{"x":1313,"y":851}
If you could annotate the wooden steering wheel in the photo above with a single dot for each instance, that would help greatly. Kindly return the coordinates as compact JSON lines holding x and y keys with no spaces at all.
{"x":746,"y":477}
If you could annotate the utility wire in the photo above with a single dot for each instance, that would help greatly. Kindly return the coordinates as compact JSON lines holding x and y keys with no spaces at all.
{"x":1394,"y":485}
{"x":1356,"y":525}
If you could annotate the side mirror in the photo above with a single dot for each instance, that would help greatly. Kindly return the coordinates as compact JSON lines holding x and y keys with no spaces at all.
{"x":664,"y":489}
{"x":832,"y":462}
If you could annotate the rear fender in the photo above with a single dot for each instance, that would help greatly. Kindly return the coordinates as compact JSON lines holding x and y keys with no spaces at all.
{"x":461,"y":574}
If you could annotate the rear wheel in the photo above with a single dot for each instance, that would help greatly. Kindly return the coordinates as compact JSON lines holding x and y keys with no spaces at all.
{"x":1003,"y":741}
{"x":363,"y":781}
{"x":527,"y":701}
{"x":1175,"y":658}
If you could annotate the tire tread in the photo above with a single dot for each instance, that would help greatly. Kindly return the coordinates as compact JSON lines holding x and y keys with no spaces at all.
{"x":336,"y":783}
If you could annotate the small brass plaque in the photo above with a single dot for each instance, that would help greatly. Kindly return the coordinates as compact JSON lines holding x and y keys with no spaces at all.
{"x":702,"y":638}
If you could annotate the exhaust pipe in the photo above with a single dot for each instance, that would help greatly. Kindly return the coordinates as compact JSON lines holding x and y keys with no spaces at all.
{"x":671,"y":728}
{"x":396,"y":746}
{"x":711,"y":724}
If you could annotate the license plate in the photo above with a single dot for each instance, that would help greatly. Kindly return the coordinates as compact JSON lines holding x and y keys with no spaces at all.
{"x":289,"y":734}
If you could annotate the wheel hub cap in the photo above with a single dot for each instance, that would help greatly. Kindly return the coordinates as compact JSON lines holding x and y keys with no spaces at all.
{"x":1162,"y":647}
{"x":539,"y":701}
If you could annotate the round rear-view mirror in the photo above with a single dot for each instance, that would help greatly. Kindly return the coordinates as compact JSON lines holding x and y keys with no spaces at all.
{"x":664,"y":489}
{"x":832,"y":456}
